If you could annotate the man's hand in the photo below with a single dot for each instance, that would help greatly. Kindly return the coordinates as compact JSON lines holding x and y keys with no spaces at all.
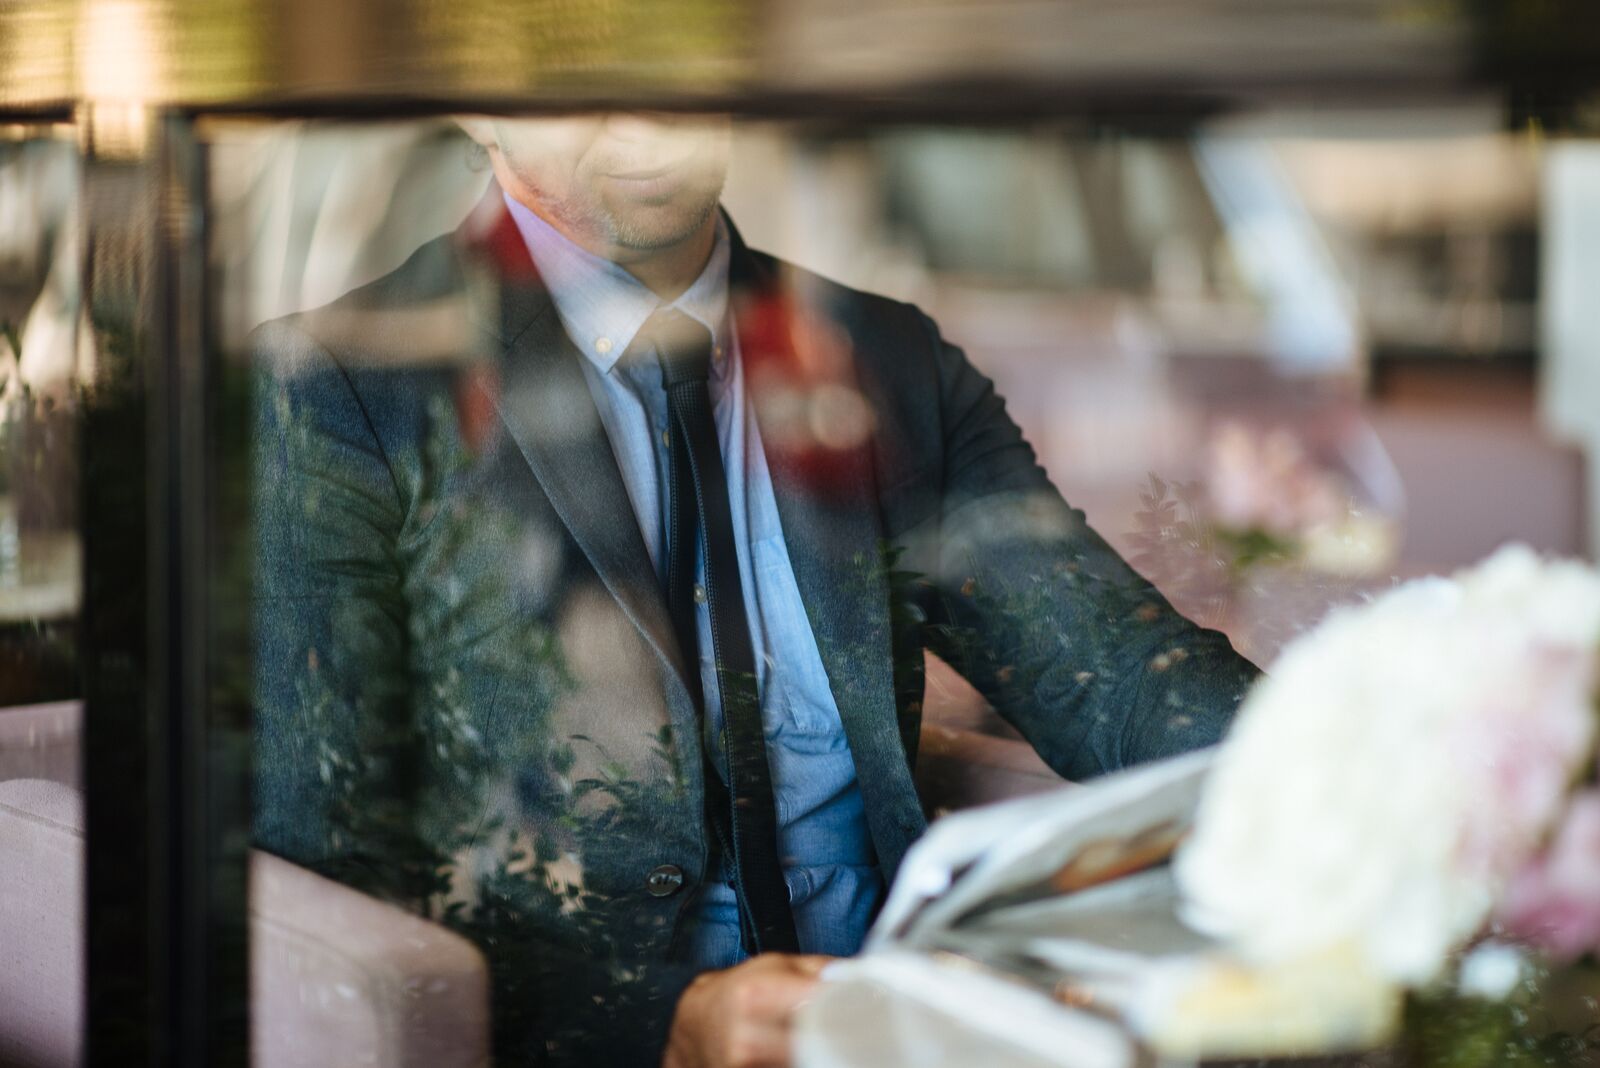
{"x":739,"y":1018}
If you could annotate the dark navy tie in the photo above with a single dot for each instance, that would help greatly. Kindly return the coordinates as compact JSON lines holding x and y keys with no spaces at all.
{"x":742,"y":811}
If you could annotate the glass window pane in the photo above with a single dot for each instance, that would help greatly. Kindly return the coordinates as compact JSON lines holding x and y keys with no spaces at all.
{"x":39,"y":556}
{"x":1007,"y":465}
{"x":41,"y":371}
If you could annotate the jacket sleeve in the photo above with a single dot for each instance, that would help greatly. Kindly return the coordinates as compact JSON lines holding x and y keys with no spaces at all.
{"x":1070,"y":644}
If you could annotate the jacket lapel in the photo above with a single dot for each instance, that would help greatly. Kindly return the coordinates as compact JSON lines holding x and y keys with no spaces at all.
{"x":827,"y":505}
{"x":546,"y":405}
{"x":544,"y":402}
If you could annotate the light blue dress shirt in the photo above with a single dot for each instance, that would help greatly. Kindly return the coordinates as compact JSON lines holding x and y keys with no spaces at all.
{"x":834,"y":883}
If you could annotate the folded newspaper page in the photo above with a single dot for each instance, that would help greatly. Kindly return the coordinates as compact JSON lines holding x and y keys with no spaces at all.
{"x":1048,"y":931}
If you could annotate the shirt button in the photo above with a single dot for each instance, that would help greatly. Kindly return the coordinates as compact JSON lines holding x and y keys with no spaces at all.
{"x":666,"y":440}
{"x":664,"y":881}
{"x":699,"y":594}
{"x":602,"y":345}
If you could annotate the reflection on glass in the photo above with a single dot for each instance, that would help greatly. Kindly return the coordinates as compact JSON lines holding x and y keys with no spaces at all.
{"x":41,"y":842}
{"x":39,"y":581}
{"x":594,"y":632}
{"x":608,"y":569}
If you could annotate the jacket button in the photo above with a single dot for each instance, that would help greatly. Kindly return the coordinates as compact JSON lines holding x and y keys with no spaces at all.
{"x":664,"y":881}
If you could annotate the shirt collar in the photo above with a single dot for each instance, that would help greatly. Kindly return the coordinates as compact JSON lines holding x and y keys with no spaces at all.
{"x":602,"y":306}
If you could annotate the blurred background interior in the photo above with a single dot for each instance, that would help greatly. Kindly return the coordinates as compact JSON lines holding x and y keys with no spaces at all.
{"x":1204,"y":333}
{"x":1370,"y":301}
{"x":1293,"y":299}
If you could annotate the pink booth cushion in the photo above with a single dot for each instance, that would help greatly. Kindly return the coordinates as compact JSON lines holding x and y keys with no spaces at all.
{"x":41,"y":923}
{"x":337,"y":978}
{"x":40,"y":741}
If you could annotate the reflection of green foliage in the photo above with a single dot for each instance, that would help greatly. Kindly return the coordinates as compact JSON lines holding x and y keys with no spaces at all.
{"x":1176,"y":547}
{"x":865,"y":577}
{"x":1249,"y":548}
{"x":1078,"y":652}
{"x":1206,"y":568}
{"x":1448,"y":1030}
{"x":423,"y":773}
{"x":1024,"y":638}
{"x":908,"y":589}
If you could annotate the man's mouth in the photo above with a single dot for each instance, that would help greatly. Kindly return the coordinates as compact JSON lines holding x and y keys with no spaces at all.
{"x":656,"y":183}
{"x":642,"y":175}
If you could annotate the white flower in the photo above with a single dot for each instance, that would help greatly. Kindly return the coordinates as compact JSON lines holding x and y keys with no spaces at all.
{"x":1401,"y":762}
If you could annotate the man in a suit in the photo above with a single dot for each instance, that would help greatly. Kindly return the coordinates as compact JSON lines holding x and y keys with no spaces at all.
{"x":597,"y":558}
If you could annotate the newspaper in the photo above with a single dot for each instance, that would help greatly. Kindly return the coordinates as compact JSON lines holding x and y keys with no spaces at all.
{"x":1048,"y":931}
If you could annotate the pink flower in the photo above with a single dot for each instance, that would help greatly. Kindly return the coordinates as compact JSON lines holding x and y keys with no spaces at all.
{"x":1554,"y":903}
{"x":1518,"y":748}
{"x":1266,"y":481}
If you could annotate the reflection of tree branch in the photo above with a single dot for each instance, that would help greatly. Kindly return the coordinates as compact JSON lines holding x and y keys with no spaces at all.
{"x":1176,"y":547}
{"x":441,"y":800}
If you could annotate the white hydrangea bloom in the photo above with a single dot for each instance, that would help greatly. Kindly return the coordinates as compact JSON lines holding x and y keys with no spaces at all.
{"x":1402,"y":760}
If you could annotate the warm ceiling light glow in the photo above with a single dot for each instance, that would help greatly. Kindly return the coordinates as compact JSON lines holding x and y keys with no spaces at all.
{"x":122,"y":46}
{"x":120,"y":51}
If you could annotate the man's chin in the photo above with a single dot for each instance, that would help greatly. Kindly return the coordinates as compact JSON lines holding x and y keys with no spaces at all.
{"x":645,"y":227}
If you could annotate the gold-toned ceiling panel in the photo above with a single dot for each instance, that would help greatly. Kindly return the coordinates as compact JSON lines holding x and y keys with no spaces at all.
{"x":36,"y":58}
{"x":208,"y":52}
{"x":848,"y":52}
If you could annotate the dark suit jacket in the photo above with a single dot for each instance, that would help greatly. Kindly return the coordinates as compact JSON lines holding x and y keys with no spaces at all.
{"x":470,"y":699}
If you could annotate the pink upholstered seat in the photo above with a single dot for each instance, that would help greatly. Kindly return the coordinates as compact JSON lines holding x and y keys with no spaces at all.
{"x":337,"y":978}
{"x":41,"y":923}
{"x":40,"y":741}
